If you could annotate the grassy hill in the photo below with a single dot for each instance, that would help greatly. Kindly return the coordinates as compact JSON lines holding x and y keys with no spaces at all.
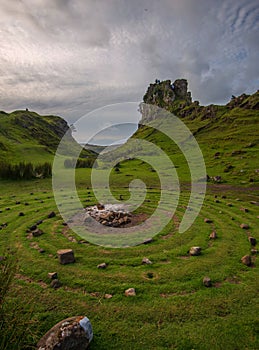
{"x":227,"y":135}
{"x":30,"y":137}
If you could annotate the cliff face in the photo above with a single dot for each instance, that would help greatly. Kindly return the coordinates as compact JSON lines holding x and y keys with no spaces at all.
{"x":163,"y":94}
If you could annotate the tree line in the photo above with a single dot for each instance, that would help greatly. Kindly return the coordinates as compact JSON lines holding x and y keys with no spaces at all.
{"x":24,"y":171}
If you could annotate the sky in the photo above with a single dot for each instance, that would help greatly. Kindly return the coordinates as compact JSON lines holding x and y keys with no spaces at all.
{"x":70,"y":57}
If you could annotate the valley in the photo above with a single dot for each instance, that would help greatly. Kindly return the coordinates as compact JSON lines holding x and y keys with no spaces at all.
{"x":173,"y":307}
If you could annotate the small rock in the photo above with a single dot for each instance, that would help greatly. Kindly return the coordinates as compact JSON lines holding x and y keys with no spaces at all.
{"x":146,"y":261}
{"x":223,"y":197}
{"x":21,"y":214}
{"x":66,"y":256}
{"x":217,"y":201}
{"x":41,"y":250}
{"x":207,"y":282}
{"x":121,"y":221}
{"x":55,"y":284}
{"x":252,"y":241}
{"x":244,"y":226}
{"x":194,"y":251}
{"x":37,"y":232}
{"x":246,"y":260}
{"x":245,"y":210}
{"x":39,"y":222}
{"x":207,"y":221}
{"x":51,"y":215}
{"x":33,"y":227}
{"x":100,"y":206}
{"x":254,"y":251}
{"x":17,"y":202}
{"x":229,"y":204}
{"x":254,"y":203}
{"x":213,"y":235}
{"x":130,"y":292}
{"x":102,"y":266}
{"x":108,"y":296}
{"x":70,"y":334}
{"x":53,"y":275}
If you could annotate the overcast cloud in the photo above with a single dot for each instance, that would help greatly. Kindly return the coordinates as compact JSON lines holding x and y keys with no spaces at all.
{"x":68,"y":57}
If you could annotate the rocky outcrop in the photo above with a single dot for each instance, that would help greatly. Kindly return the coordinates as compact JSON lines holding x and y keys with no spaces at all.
{"x":160,"y":93}
{"x":245,"y":101}
{"x":175,"y":98}
{"x":163,"y":94}
{"x":180,"y":89}
{"x":168,"y":97}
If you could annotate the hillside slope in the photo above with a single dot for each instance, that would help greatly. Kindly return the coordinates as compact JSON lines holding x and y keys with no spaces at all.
{"x":228,"y":135}
{"x":28,"y":136}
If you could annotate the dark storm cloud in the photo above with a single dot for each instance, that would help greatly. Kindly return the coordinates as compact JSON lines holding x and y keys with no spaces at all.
{"x":69,"y":57}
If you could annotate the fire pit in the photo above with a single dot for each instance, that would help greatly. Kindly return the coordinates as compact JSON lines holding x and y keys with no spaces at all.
{"x":113,"y":215}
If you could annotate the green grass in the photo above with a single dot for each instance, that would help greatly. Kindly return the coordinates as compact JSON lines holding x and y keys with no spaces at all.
{"x":233,"y":134}
{"x":172,"y":310}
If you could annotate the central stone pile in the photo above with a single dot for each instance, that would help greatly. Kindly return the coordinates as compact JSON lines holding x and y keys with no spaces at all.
{"x":112,"y":215}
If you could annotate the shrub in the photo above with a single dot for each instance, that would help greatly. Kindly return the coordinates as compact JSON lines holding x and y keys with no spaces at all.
{"x":24,"y":171}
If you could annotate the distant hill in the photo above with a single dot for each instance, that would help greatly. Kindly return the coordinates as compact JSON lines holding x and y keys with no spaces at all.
{"x":95,"y":148}
{"x":28,"y":136}
{"x":100,"y":149}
